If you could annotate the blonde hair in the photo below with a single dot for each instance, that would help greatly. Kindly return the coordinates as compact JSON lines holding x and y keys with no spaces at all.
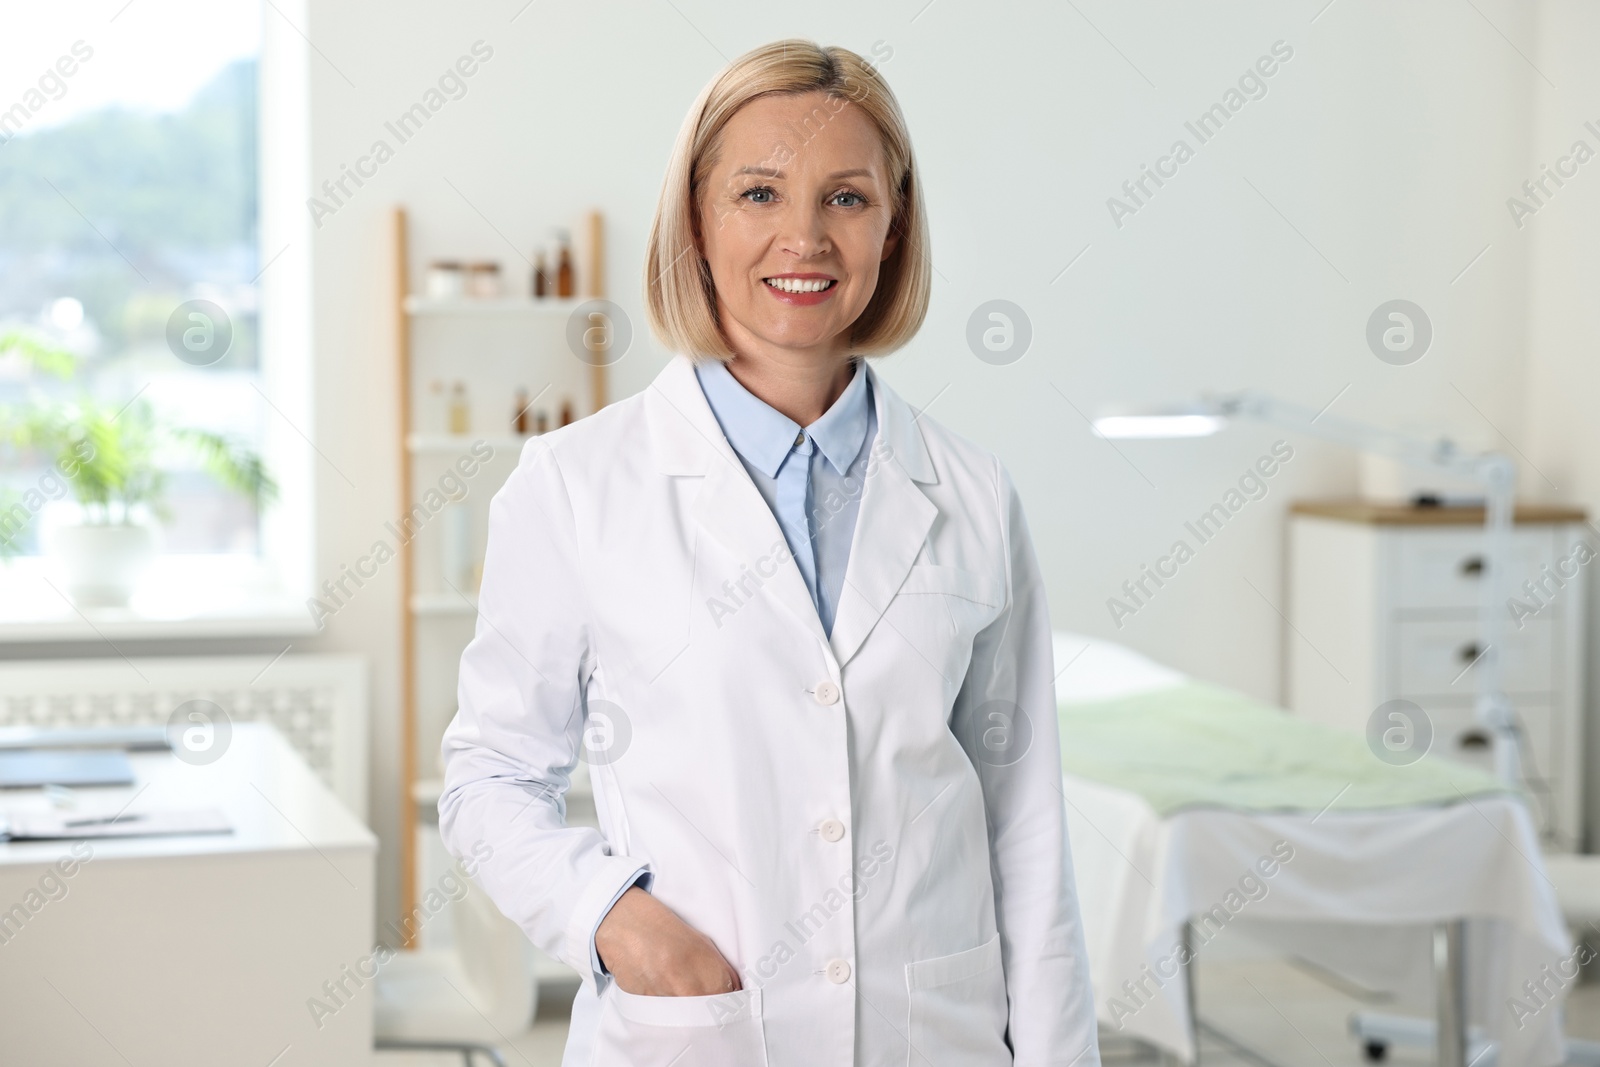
{"x":680,"y":297}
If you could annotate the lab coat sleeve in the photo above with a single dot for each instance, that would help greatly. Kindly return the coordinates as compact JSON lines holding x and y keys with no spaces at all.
{"x":513,"y":745}
{"x":1005,"y":717}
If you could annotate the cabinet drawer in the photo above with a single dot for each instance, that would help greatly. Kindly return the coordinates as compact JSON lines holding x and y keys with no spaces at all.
{"x":1433,"y":656}
{"x":1459,"y":738}
{"x":1444,"y":568}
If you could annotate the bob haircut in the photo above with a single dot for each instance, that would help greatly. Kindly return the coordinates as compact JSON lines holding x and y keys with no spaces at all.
{"x":680,"y":297}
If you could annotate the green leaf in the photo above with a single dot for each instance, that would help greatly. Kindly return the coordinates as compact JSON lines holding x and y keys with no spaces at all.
{"x":50,"y":358}
{"x":232,"y":463}
{"x":109,"y":456}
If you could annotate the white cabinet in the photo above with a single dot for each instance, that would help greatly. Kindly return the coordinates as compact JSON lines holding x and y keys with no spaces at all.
{"x":1384,"y":604}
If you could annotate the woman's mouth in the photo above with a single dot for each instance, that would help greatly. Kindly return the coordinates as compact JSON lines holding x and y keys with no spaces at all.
{"x":801,"y":289}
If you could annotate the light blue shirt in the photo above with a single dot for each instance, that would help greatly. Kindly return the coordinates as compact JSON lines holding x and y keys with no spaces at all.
{"x":811,"y":478}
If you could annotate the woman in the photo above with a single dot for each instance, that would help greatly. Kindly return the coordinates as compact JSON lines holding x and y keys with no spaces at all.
{"x":797,"y":631}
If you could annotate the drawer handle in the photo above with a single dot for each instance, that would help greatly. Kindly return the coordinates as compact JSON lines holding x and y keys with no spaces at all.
{"x":1468,"y":653}
{"x":1473,"y":567}
{"x":1473,"y":739}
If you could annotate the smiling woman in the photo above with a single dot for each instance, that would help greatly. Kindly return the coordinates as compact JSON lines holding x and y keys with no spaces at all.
{"x":765,"y":888}
{"x":842,"y":154}
{"x":808,"y":234}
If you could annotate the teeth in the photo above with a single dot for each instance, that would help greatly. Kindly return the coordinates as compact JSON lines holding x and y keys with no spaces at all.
{"x":799,"y":285}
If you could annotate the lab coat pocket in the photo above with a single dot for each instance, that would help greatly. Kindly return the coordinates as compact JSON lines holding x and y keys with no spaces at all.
{"x":723,"y":1030}
{"x":938,"y":611}
{"x":958,"y":1009}
{"x":956,"y":581}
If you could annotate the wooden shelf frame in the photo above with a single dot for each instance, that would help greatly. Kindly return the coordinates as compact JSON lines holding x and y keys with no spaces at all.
{"x":408,"y":308}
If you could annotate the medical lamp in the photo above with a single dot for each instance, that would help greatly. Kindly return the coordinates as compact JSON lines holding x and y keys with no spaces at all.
{"x":1493,"y":470}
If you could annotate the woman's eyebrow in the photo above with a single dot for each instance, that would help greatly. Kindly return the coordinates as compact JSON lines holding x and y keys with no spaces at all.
{"x":772,"y":172}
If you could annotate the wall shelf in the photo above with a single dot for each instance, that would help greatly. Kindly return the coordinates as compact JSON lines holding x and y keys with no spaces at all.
{"x":502,"y":344}
{"x":417,"y":305}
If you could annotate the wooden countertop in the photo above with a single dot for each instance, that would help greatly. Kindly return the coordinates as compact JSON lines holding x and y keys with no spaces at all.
{"x":1392,"y":513}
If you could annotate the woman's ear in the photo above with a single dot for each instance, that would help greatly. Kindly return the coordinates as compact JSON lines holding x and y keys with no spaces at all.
{"x":891,"y":241}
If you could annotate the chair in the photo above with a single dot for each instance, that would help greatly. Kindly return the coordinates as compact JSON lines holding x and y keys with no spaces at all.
{"x":467,"y":999}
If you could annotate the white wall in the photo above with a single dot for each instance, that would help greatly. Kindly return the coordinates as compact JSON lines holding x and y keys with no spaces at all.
{"x":1562,"y":347}
{"x":1388,"y":143}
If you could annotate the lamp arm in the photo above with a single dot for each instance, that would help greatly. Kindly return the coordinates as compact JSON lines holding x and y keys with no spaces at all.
{"x":1440,"y":454}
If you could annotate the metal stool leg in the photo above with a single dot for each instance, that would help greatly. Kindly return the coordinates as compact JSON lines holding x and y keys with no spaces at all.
{"x":1186,"y":953}
{"x":1449,"y":970}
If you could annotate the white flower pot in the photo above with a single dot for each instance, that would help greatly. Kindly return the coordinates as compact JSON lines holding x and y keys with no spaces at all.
{"x":103,"y":564}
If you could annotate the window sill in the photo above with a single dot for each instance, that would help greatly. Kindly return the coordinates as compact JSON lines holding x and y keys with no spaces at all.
{"x":180,"y":597}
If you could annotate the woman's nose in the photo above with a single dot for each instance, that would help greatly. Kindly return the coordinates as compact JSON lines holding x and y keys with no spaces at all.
{"x":805,"y":232}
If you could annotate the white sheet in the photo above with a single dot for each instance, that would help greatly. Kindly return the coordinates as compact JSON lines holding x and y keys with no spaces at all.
{"x":1088,"y":668}
{"x":1140,"y":877}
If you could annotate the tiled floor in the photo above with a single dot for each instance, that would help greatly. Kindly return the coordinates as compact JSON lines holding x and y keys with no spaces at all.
{"x":1286,"y":1012}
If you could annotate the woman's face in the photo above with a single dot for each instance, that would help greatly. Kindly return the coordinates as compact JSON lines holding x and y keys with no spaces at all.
{"x":794,"y":221}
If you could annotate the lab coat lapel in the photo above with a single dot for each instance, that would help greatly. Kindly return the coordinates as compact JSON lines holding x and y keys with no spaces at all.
{"x":729,"y":508}
{"x":732,"y":511}
{"x":892,"y":523}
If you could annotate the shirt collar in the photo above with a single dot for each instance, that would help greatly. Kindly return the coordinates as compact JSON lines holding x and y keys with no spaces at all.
{"x":764,"y":436}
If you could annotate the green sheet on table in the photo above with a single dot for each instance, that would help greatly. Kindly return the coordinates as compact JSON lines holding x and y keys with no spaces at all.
{"x":1201,"y":746}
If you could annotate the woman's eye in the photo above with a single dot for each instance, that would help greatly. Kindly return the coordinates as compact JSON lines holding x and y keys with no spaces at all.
{"x":851,"y":199}
{"x":761,"y":194}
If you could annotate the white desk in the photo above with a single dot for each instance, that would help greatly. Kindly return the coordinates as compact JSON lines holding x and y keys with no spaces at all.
{"x":194,"y":950}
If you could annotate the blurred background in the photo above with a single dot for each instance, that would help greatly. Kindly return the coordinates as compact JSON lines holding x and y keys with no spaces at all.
{"x":268,"y":279}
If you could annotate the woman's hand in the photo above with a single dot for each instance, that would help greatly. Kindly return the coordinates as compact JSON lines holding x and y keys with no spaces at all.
{"x":653,"y":953}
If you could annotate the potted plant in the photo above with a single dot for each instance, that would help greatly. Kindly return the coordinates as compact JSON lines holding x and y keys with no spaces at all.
{"x":107,"y":458}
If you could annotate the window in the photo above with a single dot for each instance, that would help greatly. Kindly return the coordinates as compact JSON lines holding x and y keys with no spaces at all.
{"x":130,"y":267}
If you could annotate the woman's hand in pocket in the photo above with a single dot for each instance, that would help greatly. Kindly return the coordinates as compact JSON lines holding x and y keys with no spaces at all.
{"x":651,"y":952}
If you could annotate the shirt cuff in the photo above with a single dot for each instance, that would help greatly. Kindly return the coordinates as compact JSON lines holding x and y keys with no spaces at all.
{"x":597,"y":969}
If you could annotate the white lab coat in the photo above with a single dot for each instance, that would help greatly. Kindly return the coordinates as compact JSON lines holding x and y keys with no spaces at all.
{"x":869,"y":827}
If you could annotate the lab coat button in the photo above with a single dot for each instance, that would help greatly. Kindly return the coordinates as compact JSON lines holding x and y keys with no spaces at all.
{"x":832,"y":830}
{"x":826,"y":693}
{"x":838,"y":972}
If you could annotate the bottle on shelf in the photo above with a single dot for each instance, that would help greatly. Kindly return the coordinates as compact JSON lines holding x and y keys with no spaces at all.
{"x":438,"y":404}
{"x":460,"y":414}
{"x":566,"y":279}
{"x":519,"y":415}
{"x":541,"y":276}
{"x":483,"y":280}
{"x":445,"y":280}
{"x":541,"y":421}
{"x":566,"y":411}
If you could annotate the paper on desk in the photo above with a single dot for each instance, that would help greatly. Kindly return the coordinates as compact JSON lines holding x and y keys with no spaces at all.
{"x":71,"y":825}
